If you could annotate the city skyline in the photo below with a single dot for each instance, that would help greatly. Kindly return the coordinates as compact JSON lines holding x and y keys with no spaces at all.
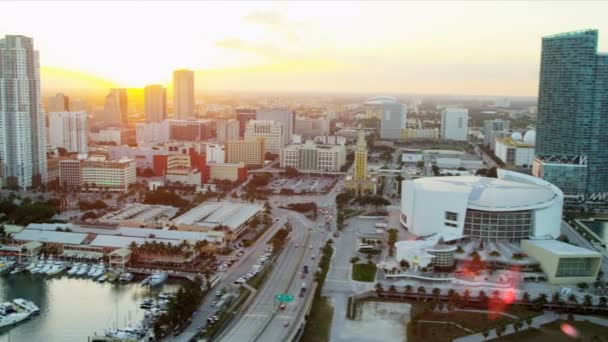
{"x":464,"y":48}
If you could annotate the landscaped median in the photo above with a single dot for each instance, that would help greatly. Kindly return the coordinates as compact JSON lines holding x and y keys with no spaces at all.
{"x":318,"y":325}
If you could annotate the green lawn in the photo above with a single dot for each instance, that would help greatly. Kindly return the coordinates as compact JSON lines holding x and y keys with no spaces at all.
{"x":551,"y":332}
{"x":364,"y":272}
{"x":318,"y":325}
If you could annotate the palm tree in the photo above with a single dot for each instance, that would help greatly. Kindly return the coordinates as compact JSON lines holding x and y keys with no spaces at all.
{"x":421,"y":290}
{"x":482,"y":296}
{"x":603,"y":302}
{"x":354,"y":260}
{"x":572,"y":299}
{"x":541,"y":300}
{"x":436,"y":292}
{"x":556,"y":298}
{"x":495,"y":295}
{"x":485,"y":334}
{"x":525,"y":297}
{"x":466,"y":296}
{"x":518,"y":325}
{"x":528,"y":321}
{"x":499,"y":331}
{"x":451,"y":293}
{"x":392,"y":289}
{"x":587,"y":300}
{"x":408,"y":290}
{"x":379,"y":288}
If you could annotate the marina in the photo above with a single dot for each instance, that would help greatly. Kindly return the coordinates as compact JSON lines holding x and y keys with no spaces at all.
{"x":53,"y":300}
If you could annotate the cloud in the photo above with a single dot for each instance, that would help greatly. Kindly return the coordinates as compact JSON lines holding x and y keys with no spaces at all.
{"x":268,"y":18}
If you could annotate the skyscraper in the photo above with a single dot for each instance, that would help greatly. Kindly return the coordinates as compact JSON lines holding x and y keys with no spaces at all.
{"x":68,"y":130}
{"x":22,"y":128}
{"x":183,"y":94}
{"x":571,"y":134}
{"x":244,"y":115}
{"x":491,"y":127}
{"x":227,"y":130}
{"x":360,"y":158}
{"x":393,"y":115}
{"x":287,"y":117}
{"x":116,"y":108}
{"x":58,"y":103}
{"x":454,"y":124}
{"x":155,"y":103}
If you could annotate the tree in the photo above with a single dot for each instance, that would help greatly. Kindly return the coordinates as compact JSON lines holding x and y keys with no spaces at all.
{"x":499,"y":331}
{"x":421,"y":290}
{"x":379,"y":288}
{"x":528,"y":321}
{"x":572,"y":299}
{"x":587,"y":300}
{"x":354,"y":260}
{"x":291,"y":172}
{"x":485,"y":334}
{"x":466,"y":296}
{"x":556,"y":298}
{"x":518,"y":325}
{"x":408,"y":289}
{"x":603,"y":302}
{"x":436,"y":292}
{"x":525,"y":297}
{"x":392,"y":289}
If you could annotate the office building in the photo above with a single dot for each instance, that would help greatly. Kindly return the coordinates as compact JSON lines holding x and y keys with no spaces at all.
{"x":244,"y":115}
{"x":512,"y":207}
{"x":155,"y":103}
{"x":22,"y":124}
{"x":235,"y":172}
{"x":110,"y":135}
{"x":70,"y":174}
{"x":413,"y":134}
{"x":68,"y":130}
{"x":116,"y":107}
{"x":491,"y":128}
{"x":309,"y":128}
{"x":272,"y":131}
{"x":516,"y":150}
{"x":312,"y":157}
{"x":58,"y":103}
{"x":392,"y":114}
{"x":285,"y":116}
{"x":572,"y":122}
{"x":183,"y":94}
{"x":227,"y":130}
{"x":191,"y":130}
{"x":100,"y":174}
{"x":215,"y":153}
{"x":454,"y":124}
{"x":152,"y":132}
{"x":247,"y":151}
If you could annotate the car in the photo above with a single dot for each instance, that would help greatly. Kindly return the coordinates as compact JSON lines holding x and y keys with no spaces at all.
{"x":286,"y":324}
{"x":219,"y":293}
{"x":214,"y":303}
{"x":282,"y":306}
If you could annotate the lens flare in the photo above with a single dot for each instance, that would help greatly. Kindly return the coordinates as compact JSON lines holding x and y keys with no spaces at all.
{"x":569,"y":330}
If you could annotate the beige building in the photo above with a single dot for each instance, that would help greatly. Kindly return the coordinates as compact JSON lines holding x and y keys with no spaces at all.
{"x":247,"y":151}
{"x":359,"y":181}
{"x":272,"y":131}
{"x":70,"y":174}
{"x":111,"y":175}
{"x":227,"y":130}
{"x":183,"y":94}
{"x":226,"y":171}
{"x":564,"y":263}
{"x":312,"y":157}
{"x":420,"y":134}
{"x":155,"y":103}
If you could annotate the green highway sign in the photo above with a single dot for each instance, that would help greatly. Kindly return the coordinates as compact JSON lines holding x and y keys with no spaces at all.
{"x":284,"y":298}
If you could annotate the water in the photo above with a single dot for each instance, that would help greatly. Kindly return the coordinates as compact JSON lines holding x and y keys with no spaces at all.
{"x":73,"y":309}
{"x":599,"y":227}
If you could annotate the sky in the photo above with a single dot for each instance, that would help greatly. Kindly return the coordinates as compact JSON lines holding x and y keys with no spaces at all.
{"x":431,"y":47}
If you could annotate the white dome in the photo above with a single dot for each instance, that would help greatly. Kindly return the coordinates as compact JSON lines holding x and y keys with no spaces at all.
{"x":530,"y":137}
{"x":516,"y":136}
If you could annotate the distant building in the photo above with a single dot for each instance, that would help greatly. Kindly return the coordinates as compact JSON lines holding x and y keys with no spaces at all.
{"x":116,"y":107}
{"x":107,"y":135}
{"x":58,"y":103}
{"x":69,"y":130}
{"x":244,"y":115}
{"x":183,"y":94}
{"x":359,"y":181}
{"x":454,"y":124}
{"x":22,"y":126}
{"x":215,"y":153}
{"x":111,"y":175}
{"x":155,"y":103}
{"x":227,"y":130}
{"x":502,"y":102}
{"x":70,"y":174}
{"x":392,"y":113}
{"x":516,"y":150}
{"x":490,"y":129}
{"x":312,"y":157}
{"x":309,"y":128}
{"x":410,"y":134}
{"x":272,"y":131}
{"x":571,"y":137}
{"x":191,"y":130}
{"x":235,"y":172}
{"x":152,"y":132}
{"x":330,"y":140}
{"x":247,"y":151}
{"x":285,"y":116}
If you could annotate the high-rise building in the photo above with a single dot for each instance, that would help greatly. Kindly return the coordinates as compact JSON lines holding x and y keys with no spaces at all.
{"x":116,"y":108}
{"x":309,"y":128}
{"x":393,"y":115}
{"x":155,"y":103}
{"x":571,"y":136}
{"x":272,"y":131}
{"x":183,"y":94}
{"x":454,"y":124}
{"x":247,"y":151}
{"x":69,"y":130}
{"x":227,"y":130}
{"x":22,"y":126}
{"x":287,"y":117}
{"x":491,"y":127}
{"x":58,"y":103}
{"x":244,"y":115}
{"x":360,"y":158}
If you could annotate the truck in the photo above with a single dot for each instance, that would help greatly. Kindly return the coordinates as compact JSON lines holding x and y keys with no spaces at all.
{"x":381,"y":225}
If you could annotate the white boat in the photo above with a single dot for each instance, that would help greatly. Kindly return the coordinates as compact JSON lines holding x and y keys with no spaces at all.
{"x":27,"y":305}
{"x":6,"y":265}
{"x":92,"y":271}
{"x":99,"y":272}
{"x":75,"y":268}
{"x":32,"y":265}
{"x":46,"y":268}
{"x":56,"y":269}
{"x":126,"y":277}
{"x":10,"y":313}
{"x":84,"y":269}
{"x":145,"y":281}
{"x":158,"y":278}
{"x":17,"y":270}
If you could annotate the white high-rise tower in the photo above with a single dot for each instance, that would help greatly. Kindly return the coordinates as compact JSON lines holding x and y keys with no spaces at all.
{"x":22,"y":128}
{"x":183,"y":94}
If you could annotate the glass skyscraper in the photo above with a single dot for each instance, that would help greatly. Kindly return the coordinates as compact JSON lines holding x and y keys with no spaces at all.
{"x":572,"y":128}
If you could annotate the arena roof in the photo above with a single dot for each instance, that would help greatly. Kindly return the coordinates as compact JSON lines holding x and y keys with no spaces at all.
{"x":487,"y":193}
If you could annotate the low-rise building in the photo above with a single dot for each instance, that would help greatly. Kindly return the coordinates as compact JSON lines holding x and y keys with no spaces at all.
{"x":234,"y":172}
{"x":516,"y":150}
{"x":247,"y":151}
{"x":310,"y":156}
{"x":211,"y":215}
{"x":410,"y":134}
{"x":111,"y":175}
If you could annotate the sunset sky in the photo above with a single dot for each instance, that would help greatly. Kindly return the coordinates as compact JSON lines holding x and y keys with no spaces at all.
{"x":450,"y":47}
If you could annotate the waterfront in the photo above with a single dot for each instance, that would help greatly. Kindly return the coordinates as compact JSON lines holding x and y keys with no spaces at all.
{"x":73,"y":308}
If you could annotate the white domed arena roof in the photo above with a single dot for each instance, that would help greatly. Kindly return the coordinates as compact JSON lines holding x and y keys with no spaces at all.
{"x":530,"y":137}
{"x":516,"y":136}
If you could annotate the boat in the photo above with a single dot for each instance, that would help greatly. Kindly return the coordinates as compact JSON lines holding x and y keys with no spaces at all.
{"x":10,"y":314}
{"x":121,"y":335}
{"x":75,"y":268}
{"x":57,"y":268}
{"x":45,"y":268}
{"x":32,"y":265}
{"x":17,"y":270}
{"x":145,"y":281}
{"x":158,"y":278}
{"x":126,"y":277}
{"x":92,"y":271}
{"x":6,"y":265}
{"x":166,"y":296}
{"x":27,"y":305}
{"x":102,"y":278}
{"x":84,"y":269}
{"x":99,"y":272}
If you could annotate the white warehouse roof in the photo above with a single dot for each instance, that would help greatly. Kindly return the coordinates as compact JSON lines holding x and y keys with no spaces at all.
{"x":50,"y":236}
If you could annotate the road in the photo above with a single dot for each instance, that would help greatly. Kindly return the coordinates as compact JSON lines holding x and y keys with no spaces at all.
{"x":263,"y":321}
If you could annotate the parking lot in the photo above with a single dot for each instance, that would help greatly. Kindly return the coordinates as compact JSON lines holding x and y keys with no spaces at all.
{"x":301,"y":184}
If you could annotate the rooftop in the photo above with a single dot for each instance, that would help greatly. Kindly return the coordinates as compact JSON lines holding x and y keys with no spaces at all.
{"x":210,"y":215}
{"x":510,"y":142}
{"x":140,"y":212}
{"x":561,"y":248}
{"x":50,"y":236}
